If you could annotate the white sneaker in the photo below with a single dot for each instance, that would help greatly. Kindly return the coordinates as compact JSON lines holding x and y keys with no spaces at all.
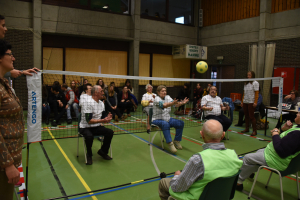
{"x":172,"y":147}
{"x":177,"y":145}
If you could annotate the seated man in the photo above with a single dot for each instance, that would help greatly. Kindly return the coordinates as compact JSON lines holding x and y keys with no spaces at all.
{"x":213,"y":106}
{"x":57,"y":102}
{"x":213,"y":162}
{"x":86,"y":91}
{"x":278,"y":153}
{"x":147,"y":102}
{"x":72,"y":102}
{"x":91,"y":123}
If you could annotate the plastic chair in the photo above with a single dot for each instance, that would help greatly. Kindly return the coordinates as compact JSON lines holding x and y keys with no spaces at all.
{"x":225,"y":187}
{"x":293,"y":168}
{"x":153,"y":125}
{"x":83,"y":142}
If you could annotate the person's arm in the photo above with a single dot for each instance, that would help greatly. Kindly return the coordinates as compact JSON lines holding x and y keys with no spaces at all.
{"x":259,"y":101}
{"x":88,"y":113}
{"x":107,"y":99}
{"x":72,"y":98}
{"x":116,"y":99}
{"x":287,"y":145}
{"x":193,"y":171}
{"x":204,"y":106}
{"x":63,"y":98}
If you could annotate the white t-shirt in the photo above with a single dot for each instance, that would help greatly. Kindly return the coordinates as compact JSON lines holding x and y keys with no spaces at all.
{"x":89,"y":105}
{"x":212,"y":102}
{"x":249,"y":92}
{"x":147,"y":97}
{"x":158,"y":111}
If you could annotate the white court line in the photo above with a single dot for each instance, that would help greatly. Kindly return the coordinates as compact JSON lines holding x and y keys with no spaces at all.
{"x":193,"y":139}
{"x":152,"y":156}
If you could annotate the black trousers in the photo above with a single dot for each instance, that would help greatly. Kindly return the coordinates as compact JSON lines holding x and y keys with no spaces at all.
{"x":285,"y":117}
{"x":89,"y":134}
{"x":226,"y":122}
{"x":125,"y":105}
{"x":113,"y":112}
{"x":241,"y":117}
{"x":58,"y":111}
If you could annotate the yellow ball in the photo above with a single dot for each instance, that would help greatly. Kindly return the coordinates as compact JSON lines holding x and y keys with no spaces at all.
{"x":201,"y":67}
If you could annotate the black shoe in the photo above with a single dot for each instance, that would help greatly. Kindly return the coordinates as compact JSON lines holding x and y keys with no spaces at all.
{"x":148,"y":131}
{"x":47,"y":121}
{"x":58,"y":123}
{"x":69,"y":121}
{"x":53,"y":123}
{"x":103,"y":155}
{"x":252,"y":175}
{"x":238,"y":125}
{"x":239,"y":187}
{"x":89,"y":160}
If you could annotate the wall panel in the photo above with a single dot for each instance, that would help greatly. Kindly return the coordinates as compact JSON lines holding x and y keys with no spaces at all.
{"x":283,"y":5}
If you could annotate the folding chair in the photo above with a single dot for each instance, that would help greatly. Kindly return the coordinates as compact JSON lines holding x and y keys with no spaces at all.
{"x":225,"y":187}
{"x":83,"y":142}
{"x":293,"y":168}
{"x":153,"y":125}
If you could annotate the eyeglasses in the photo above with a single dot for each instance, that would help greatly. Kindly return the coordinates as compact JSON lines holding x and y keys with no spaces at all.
{"x":292,"y":93}
{"x":9,"y":54}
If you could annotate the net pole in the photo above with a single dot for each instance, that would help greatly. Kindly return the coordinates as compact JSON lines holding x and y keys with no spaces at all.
{"x":280,"y":96}
{"x":26,"y":179}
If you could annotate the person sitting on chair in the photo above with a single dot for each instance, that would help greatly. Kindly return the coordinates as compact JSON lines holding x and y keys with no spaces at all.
{"x":293,"y":98}
{"x":147,"y":102}
{"x":213,"y":162}
{"x":124,"y":101}
{"x":213,"y":107}
{"x":278,"y":153}
{"x":161,"y":117}
{"x":91,"y":123}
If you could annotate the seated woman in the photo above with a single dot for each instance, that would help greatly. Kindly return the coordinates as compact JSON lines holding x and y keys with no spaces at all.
{"x":161,"y":117}
{"x":101,"y":83}
{"x":147,"y":103}
{"x":293,"y":98}
{"x":124,"y":101}
{"x":112,"y":103}
{"x":131,"y":92}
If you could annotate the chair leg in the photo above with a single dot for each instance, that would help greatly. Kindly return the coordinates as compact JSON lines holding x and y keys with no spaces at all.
{"x":281,"y":189}
{"x":83,"y":142}
{"x":16,"y":193}
{"x":110,"y":149}
{"x":162,"y":144}
{"x":227,"y":135}
{"x":254,"y":182}
{"x":268,"y":180}
{"x":297,"y":179}
{"x":77,"y":146}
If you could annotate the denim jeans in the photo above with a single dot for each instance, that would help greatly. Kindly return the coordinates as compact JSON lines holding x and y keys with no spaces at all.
{"x":75,"y":108}
{"x":46,"y":111}
{"x":165,"y":127}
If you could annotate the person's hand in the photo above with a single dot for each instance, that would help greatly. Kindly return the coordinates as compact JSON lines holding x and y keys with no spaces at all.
{"x":12,"y":174}
{"x":275,"y":131}
{"x":185,"y":100}
{"x":122,"y":100}
{"x":153,"y":96}
{"x":29,"y":71}
{"x":288,"y":96}
{"x":254,"y":105}
{"x":177,"y":172}
{"x":287,"y":125}
{"x":150,"y":101}
{"x":175,"y":101}
{"x":227,"y":107}
{"x":67,"y":106}
{"x":127,"y":101}
{"x":44,"y":105}
{"x":15,"y":73}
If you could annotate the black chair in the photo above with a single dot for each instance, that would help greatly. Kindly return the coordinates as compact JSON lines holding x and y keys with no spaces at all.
{"x":222,"y":188}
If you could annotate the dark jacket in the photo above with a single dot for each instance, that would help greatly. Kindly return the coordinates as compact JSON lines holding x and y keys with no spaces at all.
{"x":121,"y":94}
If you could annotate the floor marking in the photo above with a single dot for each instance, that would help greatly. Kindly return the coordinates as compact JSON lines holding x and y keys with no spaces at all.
{"x":152,"y":156}
{"x":72,"y":166}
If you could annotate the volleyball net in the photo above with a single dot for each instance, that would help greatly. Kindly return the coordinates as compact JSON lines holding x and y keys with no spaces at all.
{"x":51,"y":114}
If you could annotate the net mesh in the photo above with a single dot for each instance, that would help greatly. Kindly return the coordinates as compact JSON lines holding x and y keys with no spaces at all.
{"x":61,"y":122}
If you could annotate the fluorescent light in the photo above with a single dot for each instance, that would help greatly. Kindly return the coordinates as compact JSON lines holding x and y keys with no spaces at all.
{"x":105,"y":7}
{"x":179,"y":20}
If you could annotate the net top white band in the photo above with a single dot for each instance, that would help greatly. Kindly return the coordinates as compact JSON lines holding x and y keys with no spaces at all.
{"x":153,"y":78}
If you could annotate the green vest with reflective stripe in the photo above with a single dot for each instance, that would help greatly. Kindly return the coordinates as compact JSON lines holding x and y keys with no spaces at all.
{"x":217,"y":163}
{"x":273,"y":159}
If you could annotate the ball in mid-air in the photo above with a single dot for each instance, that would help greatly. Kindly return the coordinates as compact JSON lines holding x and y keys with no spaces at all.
{"x":201,"y":67}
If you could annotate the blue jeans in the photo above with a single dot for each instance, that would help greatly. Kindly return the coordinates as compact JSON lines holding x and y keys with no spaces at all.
{"x":46,"y":111}
{"x":75,"y":108}
{"x":165,"y":127}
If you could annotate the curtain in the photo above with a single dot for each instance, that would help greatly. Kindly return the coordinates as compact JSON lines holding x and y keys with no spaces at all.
{"x":269,"y":65}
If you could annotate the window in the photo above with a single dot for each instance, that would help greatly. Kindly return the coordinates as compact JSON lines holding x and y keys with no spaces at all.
{"x":114,"y":6}
{"x":176,"y":11}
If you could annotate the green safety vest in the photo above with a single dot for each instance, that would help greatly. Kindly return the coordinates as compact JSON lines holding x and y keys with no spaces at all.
{"x":273,"y":159}
{"x":217,"y":163}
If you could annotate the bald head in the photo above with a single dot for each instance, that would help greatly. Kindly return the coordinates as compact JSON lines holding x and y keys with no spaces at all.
{"x":212,"y":131}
